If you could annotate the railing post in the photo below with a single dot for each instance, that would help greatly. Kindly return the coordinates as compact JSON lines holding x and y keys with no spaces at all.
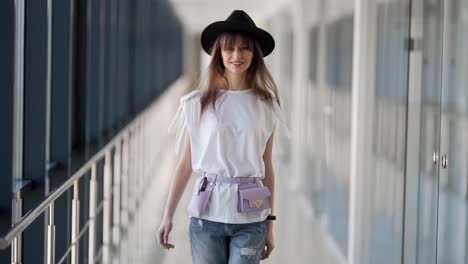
{"x":116,"y":196}
{"x":16,"y":243}
{"x":18,"y":122}
{"x":124,"y":180}
{"x":125,"y":197}
{"x":50,"y":254}
{"x":130,"y":171}
{"x":140,"y":188}
{"x":106,"y":218}
{"x":75,"y":224}
{"x":92,"y":215}
{"x":131,"y":195}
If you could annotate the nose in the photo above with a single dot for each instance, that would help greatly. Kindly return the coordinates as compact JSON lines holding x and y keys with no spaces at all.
{"x":236,"y":53}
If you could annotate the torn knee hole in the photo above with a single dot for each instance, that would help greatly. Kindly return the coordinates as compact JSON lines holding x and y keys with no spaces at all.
{"x":248,"y":251}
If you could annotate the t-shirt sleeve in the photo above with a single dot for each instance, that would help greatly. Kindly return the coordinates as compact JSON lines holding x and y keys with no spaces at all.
{"x":185,"y":117}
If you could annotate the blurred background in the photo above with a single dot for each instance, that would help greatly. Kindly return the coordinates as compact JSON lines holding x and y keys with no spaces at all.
{"x":375,"y":94}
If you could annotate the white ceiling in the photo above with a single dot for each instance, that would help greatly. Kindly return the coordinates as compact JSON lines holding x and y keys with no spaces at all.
{"x":197,"y":14}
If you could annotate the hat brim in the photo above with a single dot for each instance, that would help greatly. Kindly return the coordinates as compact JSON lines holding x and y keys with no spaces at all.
{"x":212,"y":31}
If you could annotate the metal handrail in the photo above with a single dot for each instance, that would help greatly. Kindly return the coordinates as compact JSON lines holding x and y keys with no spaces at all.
{"x":132,"y":131}
{"x":31,"y":216}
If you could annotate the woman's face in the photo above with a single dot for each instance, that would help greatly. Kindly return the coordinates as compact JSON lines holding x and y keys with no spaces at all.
{"x":236,"y":57}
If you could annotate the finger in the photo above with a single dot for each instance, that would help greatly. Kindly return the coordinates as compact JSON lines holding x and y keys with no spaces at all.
{"x":166,"y":245}
{"x":160,"y":237}
{"x":268,"y":252}
{"x":162,"y":240}
{"x":166,"y":237}
{"x":264,"y":253}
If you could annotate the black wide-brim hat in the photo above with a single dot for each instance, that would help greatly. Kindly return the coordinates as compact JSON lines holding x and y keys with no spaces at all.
{"x":238,"y":21}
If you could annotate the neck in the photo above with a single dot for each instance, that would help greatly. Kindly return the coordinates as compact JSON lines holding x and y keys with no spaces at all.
{"x":236,"y":81}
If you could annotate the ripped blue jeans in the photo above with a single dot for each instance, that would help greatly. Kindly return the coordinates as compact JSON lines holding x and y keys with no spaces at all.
{"x":220,"y":243}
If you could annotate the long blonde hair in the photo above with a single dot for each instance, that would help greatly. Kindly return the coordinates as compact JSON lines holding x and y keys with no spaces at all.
{"x":258,"y":76}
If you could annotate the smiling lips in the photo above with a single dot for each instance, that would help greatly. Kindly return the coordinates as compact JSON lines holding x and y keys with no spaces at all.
{"x":237,"y":63}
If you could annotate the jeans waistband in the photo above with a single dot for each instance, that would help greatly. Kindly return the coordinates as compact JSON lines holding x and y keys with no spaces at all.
{"x":237,"y":180}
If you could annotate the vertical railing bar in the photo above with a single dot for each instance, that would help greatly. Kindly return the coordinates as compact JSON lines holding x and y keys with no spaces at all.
{"x":48,"y":117}
{"x":140,"y":185}
{"x":136,"y":175}
{"x":116,"y":197}
{"x":75,"y":223}
{"x":132,"y":167}
{"x":124,"y":182}
{"x":133,"y":205}
{"x":48,"y":96}
{"x":16,"y":243}
{"x":125,"y":197}
{"x":92,"y":215}
{"x":133,"y":171}
{"x":18,"y":123}
{"x":130,"y":206}
{"x":14,"y":250}
{"x":128,"y":179}
{"x":50,"y":254}
{"x":106,"y":222}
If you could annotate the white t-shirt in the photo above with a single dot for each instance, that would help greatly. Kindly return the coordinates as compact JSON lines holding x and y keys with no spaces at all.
{"x":229,"y":141}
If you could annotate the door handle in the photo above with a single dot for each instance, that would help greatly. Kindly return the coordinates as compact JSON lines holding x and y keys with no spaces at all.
{"x":435,"y":157}
{"x":444,"y":161}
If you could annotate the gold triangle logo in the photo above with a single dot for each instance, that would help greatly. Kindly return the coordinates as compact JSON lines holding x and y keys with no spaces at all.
{"x":258,"y":203}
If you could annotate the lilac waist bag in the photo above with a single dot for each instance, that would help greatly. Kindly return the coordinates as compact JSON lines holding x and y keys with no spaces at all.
{"x":201,"y":195}
{"x":251,"y":197}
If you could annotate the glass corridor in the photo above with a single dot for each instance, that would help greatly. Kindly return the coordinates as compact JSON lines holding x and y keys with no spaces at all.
{"x":377,"y":102}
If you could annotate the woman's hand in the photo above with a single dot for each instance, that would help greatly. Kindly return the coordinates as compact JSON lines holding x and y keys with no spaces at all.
{"x":269,"y":243}
{"x":182,"y":175}
{"x":163,"y":234}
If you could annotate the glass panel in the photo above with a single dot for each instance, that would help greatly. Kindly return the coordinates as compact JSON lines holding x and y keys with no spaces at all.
{"x":336,"y":124}
{"x":431,"y":68}
{"x":313,"y":58}
{"x":385,"y":173}
{"x":312,"y":184}
{"x":452,"y":226}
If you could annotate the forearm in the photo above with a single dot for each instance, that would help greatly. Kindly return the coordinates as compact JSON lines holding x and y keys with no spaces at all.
{"x":269,"y":181}
{"x":179,"y":182}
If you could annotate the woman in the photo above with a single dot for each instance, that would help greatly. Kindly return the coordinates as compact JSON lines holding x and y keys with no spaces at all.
{"x":227,"y":129}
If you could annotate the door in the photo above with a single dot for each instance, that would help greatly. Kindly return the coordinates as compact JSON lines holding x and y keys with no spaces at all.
{"x":452,"y":213}
{"x":438,"y":132}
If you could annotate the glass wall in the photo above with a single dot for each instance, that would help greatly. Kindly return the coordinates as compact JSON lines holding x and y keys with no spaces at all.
{"x":386,"y":171}
{"x":442,"y":167}
{"x":337,"y":126}
{"x":99,"y":73}
{"x":329,"y":118}
{"x":452,"y":221}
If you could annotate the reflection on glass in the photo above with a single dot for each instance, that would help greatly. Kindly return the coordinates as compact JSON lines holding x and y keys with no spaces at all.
{"x":452,"y":224}
{"x":336,"y":125}
{"x":385,"y":178}
{"x":429,"y":130}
